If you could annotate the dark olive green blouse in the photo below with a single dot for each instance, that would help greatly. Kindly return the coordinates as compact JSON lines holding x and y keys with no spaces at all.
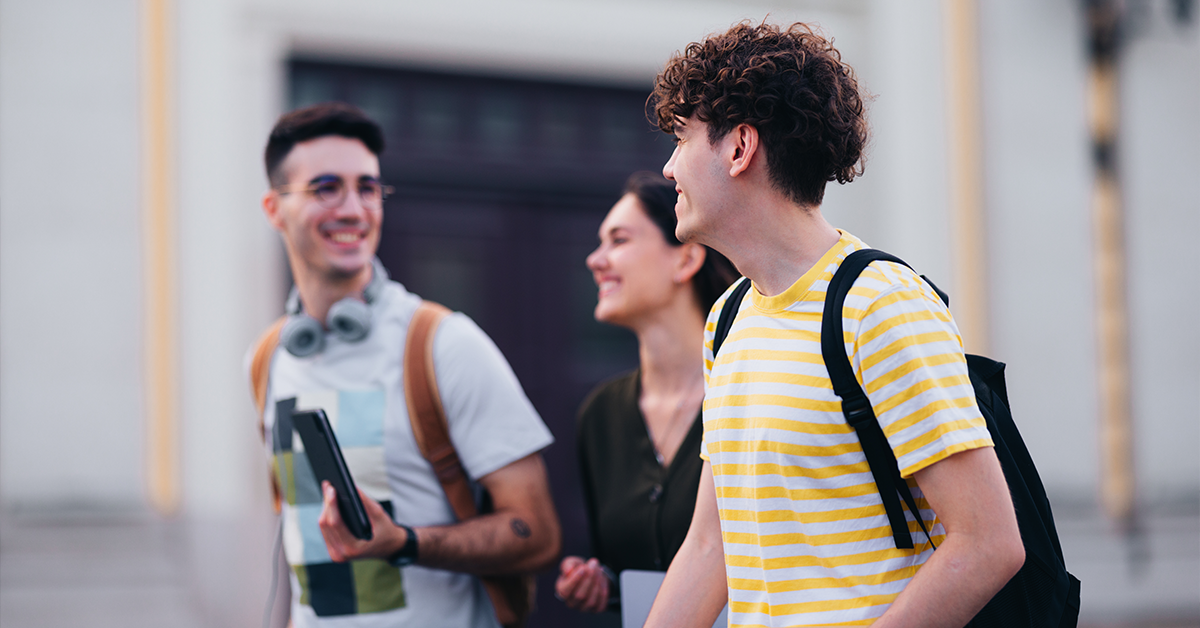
{"x":638,"y":511}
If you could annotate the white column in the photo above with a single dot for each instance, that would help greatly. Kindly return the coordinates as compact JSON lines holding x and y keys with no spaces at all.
{"x":71,"y":405}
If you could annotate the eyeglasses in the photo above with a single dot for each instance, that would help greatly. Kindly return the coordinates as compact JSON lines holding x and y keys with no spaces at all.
{"x":330,"y":192}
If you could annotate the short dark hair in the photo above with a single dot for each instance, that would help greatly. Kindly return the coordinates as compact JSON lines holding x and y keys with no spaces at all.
{"x":331,"y":118}
{"x":657,"y":198}
{"x":789,"y":84}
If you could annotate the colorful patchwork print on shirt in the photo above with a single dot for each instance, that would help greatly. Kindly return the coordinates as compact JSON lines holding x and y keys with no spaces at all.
{"x":360,"y":586}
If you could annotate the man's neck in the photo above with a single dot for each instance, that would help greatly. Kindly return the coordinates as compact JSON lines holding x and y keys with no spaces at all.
{"x":777,"y":241}
{"x":319,"y":292}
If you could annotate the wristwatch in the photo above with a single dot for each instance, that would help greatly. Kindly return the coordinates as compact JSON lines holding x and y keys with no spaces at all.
{"x":407,"y":554}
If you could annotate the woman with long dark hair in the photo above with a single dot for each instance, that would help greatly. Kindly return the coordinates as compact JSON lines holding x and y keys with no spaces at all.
{"x":639,"y":433}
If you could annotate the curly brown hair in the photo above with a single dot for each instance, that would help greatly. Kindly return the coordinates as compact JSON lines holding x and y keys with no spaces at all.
{"x":789,"y":84}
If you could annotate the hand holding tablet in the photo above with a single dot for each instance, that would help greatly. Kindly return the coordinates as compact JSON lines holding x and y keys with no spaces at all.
{"x":328,"y":465}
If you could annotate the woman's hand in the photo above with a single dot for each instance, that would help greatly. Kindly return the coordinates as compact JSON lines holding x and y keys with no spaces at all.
{"x":583,"y":585}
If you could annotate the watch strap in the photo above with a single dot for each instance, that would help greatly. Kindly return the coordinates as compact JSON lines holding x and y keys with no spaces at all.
{"x":407,"y":554}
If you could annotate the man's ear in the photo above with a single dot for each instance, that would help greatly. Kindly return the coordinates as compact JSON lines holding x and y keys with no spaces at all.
{"x":744,"y":139}
{"x":270,"y":207}
{"x":691,"y":258}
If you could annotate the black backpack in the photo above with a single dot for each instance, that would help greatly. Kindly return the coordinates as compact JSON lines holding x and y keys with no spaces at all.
{"x":1043,"y":593}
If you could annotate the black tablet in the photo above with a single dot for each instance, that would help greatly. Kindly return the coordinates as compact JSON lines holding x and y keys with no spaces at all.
{"x":327,"y":463}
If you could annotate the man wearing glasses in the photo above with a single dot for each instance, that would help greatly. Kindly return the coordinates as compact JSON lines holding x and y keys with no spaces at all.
{"x":326,"y":201}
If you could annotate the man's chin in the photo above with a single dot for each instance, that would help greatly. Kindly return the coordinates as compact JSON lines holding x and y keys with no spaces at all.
{"x":347,"y":269}
{"x":684,"y":232}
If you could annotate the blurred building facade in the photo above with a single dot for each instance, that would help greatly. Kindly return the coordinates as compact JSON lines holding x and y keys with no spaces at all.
{"x":512,"y":126}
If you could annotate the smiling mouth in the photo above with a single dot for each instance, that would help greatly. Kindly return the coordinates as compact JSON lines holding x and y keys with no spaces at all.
{"x":345,"y":237}
{"x":345,"y":234}
{"x":606,"y":287}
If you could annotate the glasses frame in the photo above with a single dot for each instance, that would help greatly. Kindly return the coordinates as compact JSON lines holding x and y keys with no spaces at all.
{"x":311,"y":189}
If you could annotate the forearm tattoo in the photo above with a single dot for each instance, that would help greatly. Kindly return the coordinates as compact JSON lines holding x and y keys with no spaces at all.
{"x":520,"y":528}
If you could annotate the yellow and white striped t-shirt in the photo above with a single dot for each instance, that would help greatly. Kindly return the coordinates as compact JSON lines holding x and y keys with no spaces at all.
{"x":807,"y":541}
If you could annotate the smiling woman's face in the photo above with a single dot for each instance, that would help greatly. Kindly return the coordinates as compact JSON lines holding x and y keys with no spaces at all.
{"x":634,"y":267}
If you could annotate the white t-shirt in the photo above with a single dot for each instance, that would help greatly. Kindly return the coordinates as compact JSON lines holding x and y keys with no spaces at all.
{"x":360,"y":388}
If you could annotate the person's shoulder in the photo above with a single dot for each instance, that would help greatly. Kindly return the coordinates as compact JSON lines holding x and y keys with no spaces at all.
{"x":619,"y":385}
{"x":397,"y":302}
{"x":885,"y":283}
{"x":618,"y":389}
{"x":468,"y":357}
{"x":893,"y":308}
{"x":715,"y":311}
{"x":459,"y":331}
{"x":267,"y":336}
{"x":264,"y":345}
{"x":399,"y":305}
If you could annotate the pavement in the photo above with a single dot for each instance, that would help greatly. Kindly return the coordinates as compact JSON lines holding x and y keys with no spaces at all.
{"x":95,"y":570}
{"x":101,"y":569}
{"x":1151,"y":580}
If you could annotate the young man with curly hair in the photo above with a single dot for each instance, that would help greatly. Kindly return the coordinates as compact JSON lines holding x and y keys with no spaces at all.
{"x":765,"y":117}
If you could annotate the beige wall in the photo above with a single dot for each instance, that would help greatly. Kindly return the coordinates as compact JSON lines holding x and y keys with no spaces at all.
{"x":1038,"y":180}
{"x":1161,"y":166}
{"x":71,"y":424}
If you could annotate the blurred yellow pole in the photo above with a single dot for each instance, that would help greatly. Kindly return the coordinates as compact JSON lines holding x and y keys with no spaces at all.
{"x":1116,"y":424}
{"x":158,"y":258}
{"x":968,"y":238}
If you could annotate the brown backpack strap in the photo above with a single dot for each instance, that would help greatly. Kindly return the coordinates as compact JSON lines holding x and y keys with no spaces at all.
{"x":260,"y":376}
{"x":260,"y":367}
{"x":425,"y":409}
{"x":432,"y":433}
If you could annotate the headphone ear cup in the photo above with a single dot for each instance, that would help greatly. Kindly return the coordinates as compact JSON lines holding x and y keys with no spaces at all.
{"x":350,"y":319}
{"x":302,"y":335}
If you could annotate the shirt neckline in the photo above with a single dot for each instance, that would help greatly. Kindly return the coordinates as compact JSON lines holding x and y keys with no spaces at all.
{"x":801,"y":287}
{"x":697,"y":420}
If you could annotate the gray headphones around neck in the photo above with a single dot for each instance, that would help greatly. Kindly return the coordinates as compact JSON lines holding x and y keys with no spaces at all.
{"x":349,"y":319}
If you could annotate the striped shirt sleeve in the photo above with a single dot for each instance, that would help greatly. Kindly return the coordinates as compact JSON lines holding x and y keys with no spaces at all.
{"x":710,"y":329}
{"x":907,"y":353}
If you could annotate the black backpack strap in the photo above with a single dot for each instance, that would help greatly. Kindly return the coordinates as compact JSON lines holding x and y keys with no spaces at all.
{"x":728,"y":313}
{"x":856,"y":407}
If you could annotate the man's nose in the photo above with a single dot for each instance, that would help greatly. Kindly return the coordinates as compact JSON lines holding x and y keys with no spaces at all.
{"x":669,"y":167}
{"x":351,"y":205}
